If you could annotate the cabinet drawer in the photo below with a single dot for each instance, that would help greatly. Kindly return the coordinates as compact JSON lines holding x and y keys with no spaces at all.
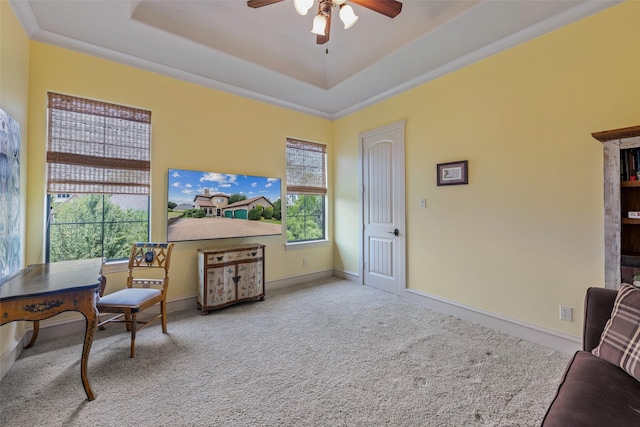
{"x":230,"y":256}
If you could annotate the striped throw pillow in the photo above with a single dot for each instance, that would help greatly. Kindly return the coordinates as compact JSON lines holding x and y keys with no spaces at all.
{"x":620,"y":340}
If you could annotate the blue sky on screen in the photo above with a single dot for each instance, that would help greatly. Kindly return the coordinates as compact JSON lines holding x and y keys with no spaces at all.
{"x":184,"y":185}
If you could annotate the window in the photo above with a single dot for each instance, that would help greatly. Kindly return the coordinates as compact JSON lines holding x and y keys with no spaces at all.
{"x":306,"y":191}
{"x":98,"y":164}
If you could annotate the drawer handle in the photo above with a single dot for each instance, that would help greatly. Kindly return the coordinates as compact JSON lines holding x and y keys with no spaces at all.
{"x":220,"y":258}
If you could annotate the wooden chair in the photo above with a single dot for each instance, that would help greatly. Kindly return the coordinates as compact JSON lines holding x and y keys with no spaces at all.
{"x":142,"y":292}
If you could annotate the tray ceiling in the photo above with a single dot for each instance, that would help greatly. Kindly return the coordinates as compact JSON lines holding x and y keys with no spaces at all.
{"x":269,"y":53}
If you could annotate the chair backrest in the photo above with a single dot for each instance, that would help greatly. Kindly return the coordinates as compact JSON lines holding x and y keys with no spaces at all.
{"x":145,"y":258}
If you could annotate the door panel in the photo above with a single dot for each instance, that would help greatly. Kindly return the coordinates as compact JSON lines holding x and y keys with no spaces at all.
{"x":383,"y":208}
{"x":380,"y":256}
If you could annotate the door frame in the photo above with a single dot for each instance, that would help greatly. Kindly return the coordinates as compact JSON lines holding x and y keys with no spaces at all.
{"x":401,"y":218}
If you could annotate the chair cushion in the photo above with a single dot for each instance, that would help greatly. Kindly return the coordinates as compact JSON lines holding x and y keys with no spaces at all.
{"x":620,"y":341}
{"x":129,"y":297}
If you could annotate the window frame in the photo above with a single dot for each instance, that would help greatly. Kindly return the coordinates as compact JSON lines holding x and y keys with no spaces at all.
{"x":299,"y":186}
{"x":102,"y":223}
{"x":96,"y":148}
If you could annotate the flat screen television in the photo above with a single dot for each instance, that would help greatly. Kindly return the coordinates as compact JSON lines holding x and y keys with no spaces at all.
{"x":212,"y":205}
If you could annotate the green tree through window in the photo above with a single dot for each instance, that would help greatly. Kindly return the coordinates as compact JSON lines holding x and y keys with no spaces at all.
{"x":93,"y":226}
{"x":305,"y":218}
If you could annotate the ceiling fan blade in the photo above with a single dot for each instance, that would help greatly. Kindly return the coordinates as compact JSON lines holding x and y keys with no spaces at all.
{"x":260,"y":3}
{"x":327,"y":30}
{"x":390,"y":8}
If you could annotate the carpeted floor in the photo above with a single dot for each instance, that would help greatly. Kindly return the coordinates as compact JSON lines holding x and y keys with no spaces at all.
{"x":332,"y":353}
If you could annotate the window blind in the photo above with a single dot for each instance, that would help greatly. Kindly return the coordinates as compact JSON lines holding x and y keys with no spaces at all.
{"x":306,"y":167}
{"x":97,"y":147}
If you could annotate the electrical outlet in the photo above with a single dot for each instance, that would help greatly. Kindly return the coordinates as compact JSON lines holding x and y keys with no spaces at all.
{"x":304,"y":262}
{"x":423,"y":203}
{"x":566,"y":313}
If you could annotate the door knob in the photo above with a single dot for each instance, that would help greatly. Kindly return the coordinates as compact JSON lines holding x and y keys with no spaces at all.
{"x":395,"y":232}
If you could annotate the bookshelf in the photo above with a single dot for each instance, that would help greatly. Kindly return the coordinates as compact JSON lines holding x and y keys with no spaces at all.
{"x":621,"y":195}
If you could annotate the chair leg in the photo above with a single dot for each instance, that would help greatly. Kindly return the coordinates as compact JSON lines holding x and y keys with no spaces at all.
{"x":134,"y":325}
{"x":163,"y":313}
{"x":127,"y":321}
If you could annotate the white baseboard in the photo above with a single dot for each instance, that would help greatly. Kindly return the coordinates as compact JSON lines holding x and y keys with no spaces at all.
{"x":563,"y":342}
{"x":9,"y":356}
{"x":546,"y":337}
{"x":296,"y":280}
{"x":182,"y":303}
{"x":346,"y":275}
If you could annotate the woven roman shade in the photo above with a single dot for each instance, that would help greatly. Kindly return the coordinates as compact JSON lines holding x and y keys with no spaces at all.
{"x":96,"y":147}
{"x":306,"y":167}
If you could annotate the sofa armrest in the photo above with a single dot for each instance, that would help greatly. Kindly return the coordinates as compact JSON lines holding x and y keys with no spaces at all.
{"x":598,"y":304}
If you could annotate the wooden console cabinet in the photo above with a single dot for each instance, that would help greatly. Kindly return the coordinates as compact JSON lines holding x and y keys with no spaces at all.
{"x":230,"y":275}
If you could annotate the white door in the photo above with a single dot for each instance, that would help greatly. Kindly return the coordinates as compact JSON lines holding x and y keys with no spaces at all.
{"x":383,"y":208}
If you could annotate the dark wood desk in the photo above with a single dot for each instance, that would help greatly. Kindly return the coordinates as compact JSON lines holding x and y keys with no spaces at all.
{"x":44,"y":290}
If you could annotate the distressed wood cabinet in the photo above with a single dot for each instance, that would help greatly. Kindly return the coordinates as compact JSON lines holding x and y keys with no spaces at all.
{"x":621,"y":195}
{"x":230,"y":275}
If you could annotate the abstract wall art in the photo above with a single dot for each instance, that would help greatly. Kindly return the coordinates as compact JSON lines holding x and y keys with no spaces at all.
{"x":10,"y":245}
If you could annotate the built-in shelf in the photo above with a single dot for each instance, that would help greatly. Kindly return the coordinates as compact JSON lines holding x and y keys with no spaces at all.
{"x":622,"y":237}
{"x":630,"y":260}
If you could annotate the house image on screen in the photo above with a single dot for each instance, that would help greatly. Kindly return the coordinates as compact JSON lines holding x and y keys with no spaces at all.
{"x":217,"y":205}
{"x":212,"y":204}
{"x":241,"y":209}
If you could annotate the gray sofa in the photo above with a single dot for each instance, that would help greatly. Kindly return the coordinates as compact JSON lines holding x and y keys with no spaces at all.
{"x":594,"y":392}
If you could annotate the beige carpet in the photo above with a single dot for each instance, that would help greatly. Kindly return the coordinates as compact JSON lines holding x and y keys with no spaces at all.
{"x":332,"y":353}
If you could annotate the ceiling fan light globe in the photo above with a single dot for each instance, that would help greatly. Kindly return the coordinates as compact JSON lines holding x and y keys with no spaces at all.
{"x":347,"y":16}
{"x":319,"y":24}
{"x":339,"y":2}
{"x":302,"y":6}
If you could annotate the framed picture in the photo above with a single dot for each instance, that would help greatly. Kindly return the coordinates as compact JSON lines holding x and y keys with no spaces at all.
{"x":453,"y":173}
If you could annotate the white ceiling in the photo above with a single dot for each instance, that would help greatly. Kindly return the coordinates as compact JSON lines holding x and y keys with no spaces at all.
{"x":269,"y":53}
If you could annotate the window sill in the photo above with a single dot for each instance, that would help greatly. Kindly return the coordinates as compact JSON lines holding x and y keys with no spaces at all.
{"x":305,"y":245}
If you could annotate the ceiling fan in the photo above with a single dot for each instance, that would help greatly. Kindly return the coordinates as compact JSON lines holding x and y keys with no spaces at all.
{"x":322,"y":20}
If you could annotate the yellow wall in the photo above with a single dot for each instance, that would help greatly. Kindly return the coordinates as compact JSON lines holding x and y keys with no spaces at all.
{"x":193,"y":127}
{"x":523,"y":237}
{"x":14,"y":88}
{"x":526,"y":234}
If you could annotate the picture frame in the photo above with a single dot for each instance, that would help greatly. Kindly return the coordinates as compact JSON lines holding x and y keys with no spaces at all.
{"x":453,"y":173}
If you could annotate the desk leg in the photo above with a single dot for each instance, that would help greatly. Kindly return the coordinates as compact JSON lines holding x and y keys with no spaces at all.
{"x":91,"y":314}
{"x":34,"y":335}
